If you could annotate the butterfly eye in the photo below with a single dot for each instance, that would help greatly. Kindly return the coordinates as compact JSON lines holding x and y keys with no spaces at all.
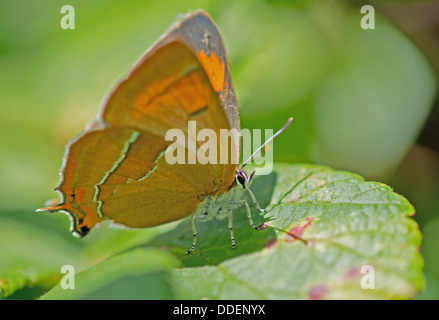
{"x":241,"y":178}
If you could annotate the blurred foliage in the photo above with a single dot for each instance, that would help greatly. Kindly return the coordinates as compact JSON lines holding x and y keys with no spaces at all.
{"x":359,"y":98}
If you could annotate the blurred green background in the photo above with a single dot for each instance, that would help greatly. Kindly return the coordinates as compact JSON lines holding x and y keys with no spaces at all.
{"x":365,"y":101}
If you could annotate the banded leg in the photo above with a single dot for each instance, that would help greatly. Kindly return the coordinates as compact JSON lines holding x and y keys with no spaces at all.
{"x":231,"y":228}
{"x":255,"y":203}
{"x":249,"y":215}
{"x":194,"y":232}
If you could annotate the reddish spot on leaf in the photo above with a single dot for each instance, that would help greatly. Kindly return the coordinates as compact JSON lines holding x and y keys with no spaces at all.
{"x":318,"y":292}
{"x":270,"y":243}
{"x":297,"y":232}
{"x":352,"y":273}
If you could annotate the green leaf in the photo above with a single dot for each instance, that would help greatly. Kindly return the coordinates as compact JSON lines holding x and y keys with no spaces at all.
{"x":30,"y":255}
{"x":138,"y":274}
{"x":324,"y":230}
{"x":345,"y":223}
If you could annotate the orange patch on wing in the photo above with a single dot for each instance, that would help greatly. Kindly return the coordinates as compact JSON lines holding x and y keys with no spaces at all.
{"x":215,"y":69}
{"x":151,"y":90}
{"x":82,"y":196}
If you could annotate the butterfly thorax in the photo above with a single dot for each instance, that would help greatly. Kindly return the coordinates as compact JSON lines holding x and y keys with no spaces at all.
{"x":219,"y":206}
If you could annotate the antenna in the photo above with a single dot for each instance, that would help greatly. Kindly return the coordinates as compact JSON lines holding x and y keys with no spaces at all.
{"x":268,"y":141}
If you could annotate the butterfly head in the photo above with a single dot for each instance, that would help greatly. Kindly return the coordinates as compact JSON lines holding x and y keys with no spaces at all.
{"x":242,"y":179}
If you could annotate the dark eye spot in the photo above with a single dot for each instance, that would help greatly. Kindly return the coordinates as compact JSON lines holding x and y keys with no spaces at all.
{"x":241,"y":180}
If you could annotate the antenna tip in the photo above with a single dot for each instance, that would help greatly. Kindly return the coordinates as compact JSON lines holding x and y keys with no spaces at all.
{"x":290,"y":119}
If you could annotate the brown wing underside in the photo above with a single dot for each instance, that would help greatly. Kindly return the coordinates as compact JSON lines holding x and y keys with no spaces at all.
{"x":117,"y":170}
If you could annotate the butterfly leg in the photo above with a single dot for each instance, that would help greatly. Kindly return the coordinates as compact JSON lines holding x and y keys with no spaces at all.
{"x":194,"y":232}
{"x":255,"y":203}
{"x":231,"y":227}
{"x":249,"y":215}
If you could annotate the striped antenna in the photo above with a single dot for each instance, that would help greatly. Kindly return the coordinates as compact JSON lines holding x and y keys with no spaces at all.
{"x":268,"y":141}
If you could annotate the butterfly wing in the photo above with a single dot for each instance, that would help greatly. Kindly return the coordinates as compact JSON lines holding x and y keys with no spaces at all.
{"x":117,"y":169}
{"x":199,"y":33}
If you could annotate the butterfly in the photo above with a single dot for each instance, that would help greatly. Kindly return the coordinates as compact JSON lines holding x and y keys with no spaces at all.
{"x":117,"y":170}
